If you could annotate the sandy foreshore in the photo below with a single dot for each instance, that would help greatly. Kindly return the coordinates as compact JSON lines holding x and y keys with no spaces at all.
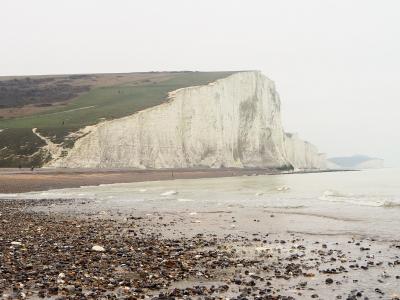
{"x":48,"y":250}
{"x":20,"y":181}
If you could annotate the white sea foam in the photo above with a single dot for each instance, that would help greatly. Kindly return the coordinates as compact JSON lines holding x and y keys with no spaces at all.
{"x":51,"y":194}
{"x":8,"y":196}
{"x":184,"y":200}
{"x":360,"y":199}
{"x":169,"y":193}
{"x":283,"y":188}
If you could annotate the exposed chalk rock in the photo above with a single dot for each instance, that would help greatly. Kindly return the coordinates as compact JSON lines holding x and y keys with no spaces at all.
{"x":302,"y":154}
{"x":232,"y":122}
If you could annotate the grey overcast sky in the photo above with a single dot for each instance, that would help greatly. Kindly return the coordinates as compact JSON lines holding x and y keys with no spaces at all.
{"x":336,"y":63}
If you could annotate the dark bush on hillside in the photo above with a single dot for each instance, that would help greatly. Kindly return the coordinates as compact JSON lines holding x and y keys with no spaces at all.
{"x":20,"y":92}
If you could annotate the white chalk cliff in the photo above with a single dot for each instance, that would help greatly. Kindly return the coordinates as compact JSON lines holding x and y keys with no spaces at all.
{"x":232,"y":122}
{"x":302,"y":154}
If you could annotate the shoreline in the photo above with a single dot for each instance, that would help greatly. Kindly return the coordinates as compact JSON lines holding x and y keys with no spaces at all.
{"x":23,"y":180}
{"x":48,"y":251}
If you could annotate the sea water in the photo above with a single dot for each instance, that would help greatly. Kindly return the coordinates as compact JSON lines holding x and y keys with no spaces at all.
{"x":363,"y":203}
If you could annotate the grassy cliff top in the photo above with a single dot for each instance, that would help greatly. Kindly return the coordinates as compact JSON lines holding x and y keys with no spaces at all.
{"x":59,"y":105}
{"x":87,"y":99}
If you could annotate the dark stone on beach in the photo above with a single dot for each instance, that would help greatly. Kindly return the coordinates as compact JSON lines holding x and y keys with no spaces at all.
{"x":53,"y":290}
{"x":70,"y":288}
{"x":303,"y":284}
{"x":329,"y":281}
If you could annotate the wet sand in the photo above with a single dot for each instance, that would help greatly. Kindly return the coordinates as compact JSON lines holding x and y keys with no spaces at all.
{"x":20,"y":181}
{"x":47,"y":251}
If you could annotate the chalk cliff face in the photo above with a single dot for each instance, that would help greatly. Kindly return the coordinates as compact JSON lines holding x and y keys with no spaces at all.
{"x":302,"y":154}
{"x":233,"y":122}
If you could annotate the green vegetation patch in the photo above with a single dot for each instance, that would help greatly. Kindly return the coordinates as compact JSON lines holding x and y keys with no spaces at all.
{"x":92,"y":107}
{"x":112,"y":102}
{"x":21,"y":147}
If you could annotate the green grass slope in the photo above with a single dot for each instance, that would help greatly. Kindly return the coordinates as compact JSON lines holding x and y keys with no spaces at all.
{"x":19,"y":146}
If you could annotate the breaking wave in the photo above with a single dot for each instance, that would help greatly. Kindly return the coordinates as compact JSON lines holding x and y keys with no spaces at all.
{"x":360,"y":199}
{"x":391,"y":204}
{"x":8,"y":196}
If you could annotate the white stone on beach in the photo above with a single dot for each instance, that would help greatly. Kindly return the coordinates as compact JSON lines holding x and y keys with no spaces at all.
{"x":98,"y":248}
{"x":261,"y":249}
{"x":16,"y":243}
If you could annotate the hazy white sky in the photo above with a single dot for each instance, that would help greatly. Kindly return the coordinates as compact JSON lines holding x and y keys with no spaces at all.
{"x":336,"y":63}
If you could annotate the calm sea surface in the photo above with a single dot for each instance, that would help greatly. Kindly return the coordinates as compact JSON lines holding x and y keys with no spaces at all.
{"x":364,"y":203}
